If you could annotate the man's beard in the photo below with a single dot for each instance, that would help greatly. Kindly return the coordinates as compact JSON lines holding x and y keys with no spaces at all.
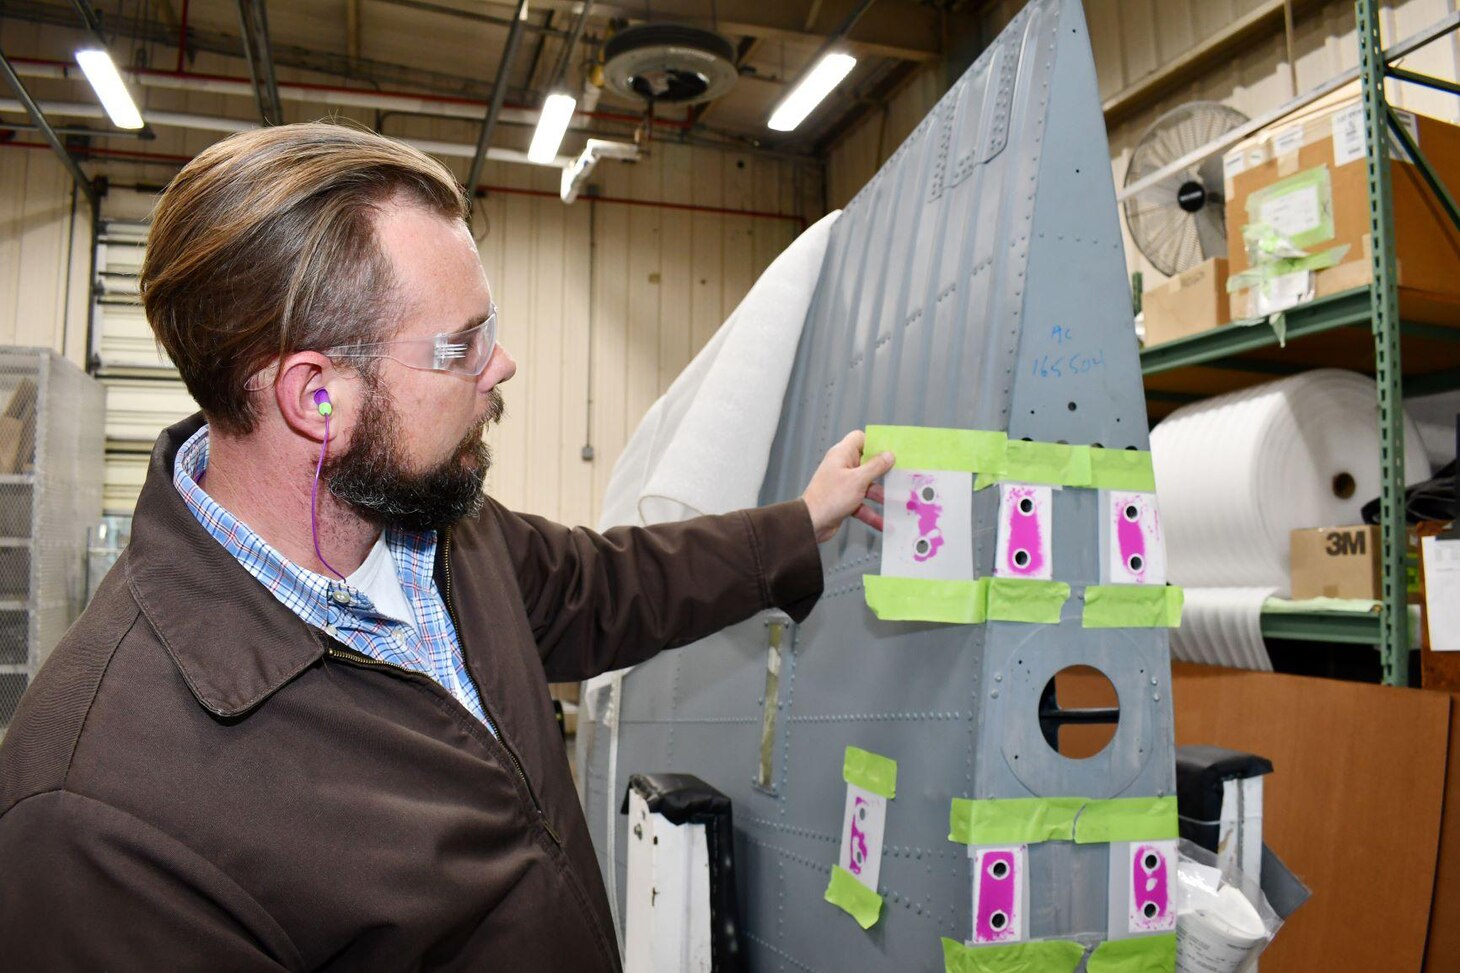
{"x":372,"y":476}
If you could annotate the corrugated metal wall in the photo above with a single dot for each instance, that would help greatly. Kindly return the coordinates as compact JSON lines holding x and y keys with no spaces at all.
{"x":1134,"y":38}
{"x":667,"y":270}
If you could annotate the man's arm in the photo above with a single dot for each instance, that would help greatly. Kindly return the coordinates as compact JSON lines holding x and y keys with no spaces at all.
{"x":604,"y":601}
{"x":89,"y":887}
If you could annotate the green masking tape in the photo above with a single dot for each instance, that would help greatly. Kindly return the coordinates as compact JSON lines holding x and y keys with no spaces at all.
{"x":854,"y":898}
{"x":1022,"y":600}
{"x":870,"y":771}
{"x":923,"y":600}
{"x":1056,"y":464}
{"x":1039,"y":956}
{"x":1143,"y":954}
{"x":1132,"y":606}
{"x":1122,"y":469}
{"x":1315,"y":180}
{"x":1013,"y":820}
{"x":930,"y":448}
{"x":1127,"y":819}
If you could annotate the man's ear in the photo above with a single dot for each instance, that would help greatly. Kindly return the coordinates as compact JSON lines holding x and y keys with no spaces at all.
{"x":300,"y":376}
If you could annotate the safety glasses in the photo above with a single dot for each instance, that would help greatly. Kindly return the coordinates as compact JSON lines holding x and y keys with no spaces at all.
{"x":464,"y":352}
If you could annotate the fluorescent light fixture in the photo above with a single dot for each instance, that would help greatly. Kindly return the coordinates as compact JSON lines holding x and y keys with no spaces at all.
{"x":97,"y":65}
{"x":827,"y":74}
{"x":557,"y":112}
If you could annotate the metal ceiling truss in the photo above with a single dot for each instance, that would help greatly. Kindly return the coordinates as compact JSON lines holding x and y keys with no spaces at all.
{"x":254,"y":21}
{"x":499,"y":94}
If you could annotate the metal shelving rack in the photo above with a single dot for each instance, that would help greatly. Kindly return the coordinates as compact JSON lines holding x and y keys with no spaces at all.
{"x":1254,"y":347}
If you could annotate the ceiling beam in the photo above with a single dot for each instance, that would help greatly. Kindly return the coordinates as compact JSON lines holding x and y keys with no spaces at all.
{"x":903,"y":29}
{"x":499,"y":93}
{"x":254,"y":20}
{"x":38,"y":118}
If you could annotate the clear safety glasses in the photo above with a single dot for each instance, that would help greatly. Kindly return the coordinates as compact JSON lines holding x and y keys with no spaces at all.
{"x":465,"y":352}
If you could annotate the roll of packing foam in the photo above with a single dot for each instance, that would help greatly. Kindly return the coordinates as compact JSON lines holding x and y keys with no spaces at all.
{"x":1237,"y":473}
{"x":1223,"y":627}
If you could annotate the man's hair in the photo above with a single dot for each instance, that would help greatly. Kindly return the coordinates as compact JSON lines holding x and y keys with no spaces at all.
{"x":265,"y":245}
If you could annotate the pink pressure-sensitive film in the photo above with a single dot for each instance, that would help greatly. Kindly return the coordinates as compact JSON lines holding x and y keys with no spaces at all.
{"x":996,"y":919}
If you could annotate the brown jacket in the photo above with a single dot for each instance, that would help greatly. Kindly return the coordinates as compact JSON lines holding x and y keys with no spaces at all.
{"x":199,"y":781}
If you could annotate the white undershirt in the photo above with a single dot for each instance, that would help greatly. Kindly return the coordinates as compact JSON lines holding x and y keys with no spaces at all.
{"x":377,"y":579}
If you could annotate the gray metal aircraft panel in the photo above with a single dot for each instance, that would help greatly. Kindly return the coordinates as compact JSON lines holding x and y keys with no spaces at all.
{"x":978,"y":281}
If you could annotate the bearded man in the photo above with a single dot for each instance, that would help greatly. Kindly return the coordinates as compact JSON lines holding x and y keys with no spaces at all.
{"x":304,"y":724}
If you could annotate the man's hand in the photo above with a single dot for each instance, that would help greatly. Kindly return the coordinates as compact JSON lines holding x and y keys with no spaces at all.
{"x":841,"y":483}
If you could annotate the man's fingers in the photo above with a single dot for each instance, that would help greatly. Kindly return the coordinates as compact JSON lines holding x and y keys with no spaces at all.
{"x":869,"y":517}
{"x":875,"y":493}
{"x":877,"y":467}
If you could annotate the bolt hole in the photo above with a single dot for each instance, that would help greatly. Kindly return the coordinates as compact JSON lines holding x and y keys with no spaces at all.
{"x":1026,"y":505}
{"x":1021,"y":559}
{"x":1150,"y":910}
{"x":1072,"y":407}
{"x":999,"y":869}
{"x":1343,"y":486}
{"x":998,"y":920}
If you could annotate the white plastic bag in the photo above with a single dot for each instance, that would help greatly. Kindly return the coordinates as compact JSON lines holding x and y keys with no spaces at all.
{"x":1223,"y":921}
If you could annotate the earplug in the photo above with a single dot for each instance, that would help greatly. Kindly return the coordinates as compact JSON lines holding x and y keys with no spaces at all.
{"x":322,"y":402}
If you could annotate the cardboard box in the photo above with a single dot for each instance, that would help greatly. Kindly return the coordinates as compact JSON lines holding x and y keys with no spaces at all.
{"x":1306,"y":173}
{"x":1336,"y":562}
{"x":1189,"y":303}
{"x":1363,"y":804}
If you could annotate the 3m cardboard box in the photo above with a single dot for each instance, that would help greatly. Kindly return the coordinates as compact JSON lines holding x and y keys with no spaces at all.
{"x":1336,"y":562}
{"x":1302,"y":185}
{"x":1189,"y":303}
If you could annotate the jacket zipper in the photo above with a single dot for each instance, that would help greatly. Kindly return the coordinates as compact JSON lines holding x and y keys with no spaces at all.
{"x":359,"y":658}
{"x":496,"y":727}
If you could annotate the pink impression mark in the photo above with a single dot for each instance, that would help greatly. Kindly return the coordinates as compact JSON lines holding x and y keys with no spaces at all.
{"x":1148,"y":881}
{"x":1025,"y":534}
{"x":857,"y":853}
{"x":996,"y":884}
{"x":1130,"y":536}
{"x":922,"y":502}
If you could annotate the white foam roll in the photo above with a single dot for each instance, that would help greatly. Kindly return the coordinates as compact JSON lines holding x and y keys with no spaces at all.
{"x":1223,"y":627}
{"x":1237,"y":473}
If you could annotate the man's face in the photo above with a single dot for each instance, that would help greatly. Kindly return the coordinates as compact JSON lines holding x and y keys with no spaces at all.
{"x":416,"y":457}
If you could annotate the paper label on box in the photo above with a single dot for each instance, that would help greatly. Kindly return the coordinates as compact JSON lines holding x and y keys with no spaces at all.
{"x":1282,"y":292}
{"x":864,"y":822}
{"x":928,"y":525}
{"x":1442,"y":592}
{"x":1233,"y":163}
{"x":1348,"y":134}
{"x":1288,"y":140}
{"x":1293,"y":213}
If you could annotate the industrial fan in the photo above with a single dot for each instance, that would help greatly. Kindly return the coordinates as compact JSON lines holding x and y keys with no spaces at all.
{"x":1179,"y":221}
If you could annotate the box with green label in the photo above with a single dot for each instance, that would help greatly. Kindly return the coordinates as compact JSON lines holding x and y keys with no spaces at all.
{"x":1298,"y":214}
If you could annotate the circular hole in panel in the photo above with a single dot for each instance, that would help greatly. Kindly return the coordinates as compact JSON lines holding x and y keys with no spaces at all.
{"x":922,"y":545}
{"x":1149,"y":909}
{"x":1343,"y":486}
{"x":929,"y":494}
{"x":1026,"y":505}
{"x":1150,"y":861}
{"x":998,"y":920}
{"x":999,"y":869}
{"x":1136,"y":562}
{"x":1082,"y":687}
{"x":1072,"y":407}
{"x":1021,"y":558}
{"x":1131,"y":512}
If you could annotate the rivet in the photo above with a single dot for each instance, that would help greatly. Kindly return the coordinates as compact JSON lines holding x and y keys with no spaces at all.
{"x":994,"y":694}
{"x":1156,"y":697}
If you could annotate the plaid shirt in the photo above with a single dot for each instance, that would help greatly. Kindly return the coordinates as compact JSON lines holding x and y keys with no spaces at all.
{"x":341,"y":610}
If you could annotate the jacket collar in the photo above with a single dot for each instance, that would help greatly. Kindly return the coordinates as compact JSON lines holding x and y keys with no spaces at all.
{"x":232,"y":641}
